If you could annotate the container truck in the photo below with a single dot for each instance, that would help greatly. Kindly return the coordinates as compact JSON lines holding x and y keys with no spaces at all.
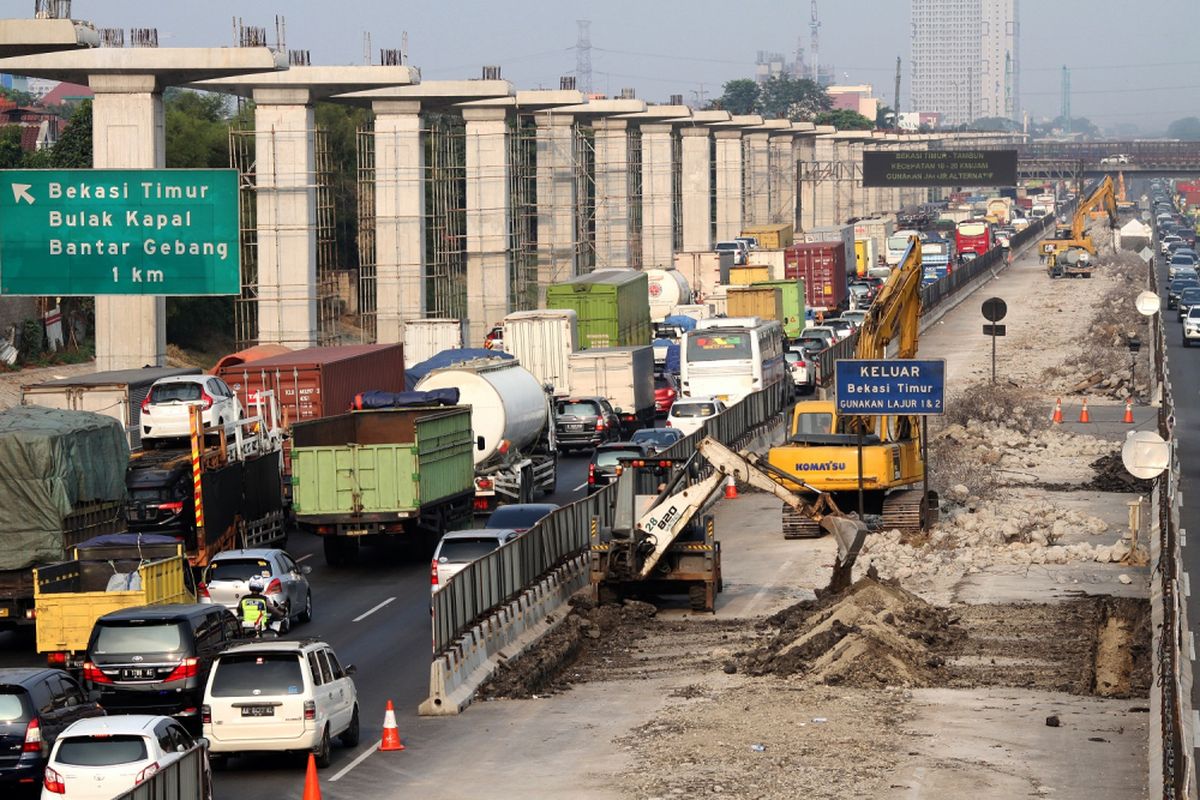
{"x":543,"y":341}
{"x":613,"y":306}
{"x":773,"y":260}
{"x":696,"y":311}
{"x":832,"y":233}
{"x":623,"y":375}
{"x":874,"y":232}
{"x":744,"y":276}
{"x":116,"y":393}
{"x":512,"y":419}
{"x":425,"y":338}
{"x":704,"y":270}
{"x":999,"y":210}
{"x":771,"y":237}
{"x":381,"y":473}
{"x":668,"y":288}
{"x":61,"y":483}
{"x":759,"y":300}
{"x":822,"y":267}
{"x":791,"y":297}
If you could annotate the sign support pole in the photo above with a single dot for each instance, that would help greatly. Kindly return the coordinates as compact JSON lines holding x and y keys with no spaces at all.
{"x":860,"y":472}
{"x":993,"y":354}
{"x":925,"y":464}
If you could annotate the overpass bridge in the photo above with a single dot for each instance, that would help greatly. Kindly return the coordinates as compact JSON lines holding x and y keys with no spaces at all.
{"x":1083,"y":160}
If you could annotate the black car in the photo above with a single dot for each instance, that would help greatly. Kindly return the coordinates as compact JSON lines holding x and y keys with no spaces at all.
{"x":519,"y":517}
{"x":156,"y":659}
{"x":1176,"y":287}
{"x":584,"y":422}
{"x":603,"y":468}
{"x":160,"y":495}
{"x":656,"y":439}
{"x":36,"y":705}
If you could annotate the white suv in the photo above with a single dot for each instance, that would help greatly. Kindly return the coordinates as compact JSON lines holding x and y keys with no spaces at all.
{"x":1191,"y":326}
{"x":279,"y":696}
{"x":165,"y":409}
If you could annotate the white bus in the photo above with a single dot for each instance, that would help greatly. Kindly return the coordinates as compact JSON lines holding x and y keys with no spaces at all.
{"x":731,"y":357}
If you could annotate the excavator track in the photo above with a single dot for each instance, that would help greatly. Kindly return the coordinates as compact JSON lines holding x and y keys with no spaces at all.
{"x":907,"y":512}
{"x":798,"y":526}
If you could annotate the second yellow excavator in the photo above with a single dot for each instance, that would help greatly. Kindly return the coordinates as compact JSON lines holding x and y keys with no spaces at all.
{"x":1069,"y":253}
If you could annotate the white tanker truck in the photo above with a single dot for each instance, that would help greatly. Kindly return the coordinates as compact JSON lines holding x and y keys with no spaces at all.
{"x":512,"y":419}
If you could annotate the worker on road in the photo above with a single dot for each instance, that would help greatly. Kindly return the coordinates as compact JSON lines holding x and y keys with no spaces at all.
{"x":256,"y":609}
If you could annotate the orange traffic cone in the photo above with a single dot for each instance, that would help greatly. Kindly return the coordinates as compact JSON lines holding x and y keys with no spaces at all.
{"x":312,"y":785}
{"x":1128,"y":420}
{"x":1083,"y":412}
{"x":1057,"y":418}
{"x":391,"y":732}
{"x":730,"y":488}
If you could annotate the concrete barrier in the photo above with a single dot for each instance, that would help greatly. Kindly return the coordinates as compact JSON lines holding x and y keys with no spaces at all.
{"x":455,"y":676}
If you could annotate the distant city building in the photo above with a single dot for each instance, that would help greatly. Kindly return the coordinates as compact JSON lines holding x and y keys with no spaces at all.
{"x":64,"y":93}
{"x":966,"y":59}
{"x":770,"y":65}
{"x":39,"y":87}
{"x":855,"y":98}
{"x":913,"y":120}
{"x":18,"y":83}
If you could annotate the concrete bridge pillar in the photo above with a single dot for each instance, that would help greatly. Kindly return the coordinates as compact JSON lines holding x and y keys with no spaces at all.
{"x":557,"y":199}
{"x":489,"y":289}
{"x":696,"y":179}
{"x":758,"y":172}
{"x":614,"y":211}
{"x":783,"y":178}
{"x":729,"y":184}
{"x":399,"y":217}
{"x":824,"y":184}
{"x":658,"y":212}
{"x":806,"y":199}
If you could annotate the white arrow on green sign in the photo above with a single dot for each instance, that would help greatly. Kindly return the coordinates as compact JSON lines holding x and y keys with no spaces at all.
{"x":119,"y":232}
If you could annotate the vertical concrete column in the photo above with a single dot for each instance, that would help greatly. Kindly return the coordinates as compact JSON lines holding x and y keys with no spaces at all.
{"x":658,"y":212}
{"x":825,"y":190}
{"x":758,"y":199}
{"x":729,"y":184}
{"x":805,"y":168}
{"x":399,"y":218}
{"x":696,"y":179}
{"x":128,"y":132}
{"x":613,"y":210}
{"x":844,"y":196}
{"x":783,"y":178}
{"x":862,"y":206}
{"x":557,"y":199}
{"x":487,"y":177}
{"x":286,"y":193}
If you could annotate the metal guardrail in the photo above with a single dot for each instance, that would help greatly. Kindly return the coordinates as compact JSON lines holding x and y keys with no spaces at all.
{"x":185,"y":779}
{"x":499,"y":577}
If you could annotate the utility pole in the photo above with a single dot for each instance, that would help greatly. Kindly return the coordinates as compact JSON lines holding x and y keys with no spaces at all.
{"x":896,"y":97}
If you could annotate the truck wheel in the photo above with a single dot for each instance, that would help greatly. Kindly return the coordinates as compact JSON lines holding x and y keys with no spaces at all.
{"x":696,"y":597}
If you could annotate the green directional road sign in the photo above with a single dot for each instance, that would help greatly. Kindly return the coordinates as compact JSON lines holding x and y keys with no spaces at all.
{"x":119,"y":231}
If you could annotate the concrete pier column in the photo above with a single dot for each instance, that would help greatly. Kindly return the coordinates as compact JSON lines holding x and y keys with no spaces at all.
{"x":861,"y":206}
{"x":557,"y":199}
{"x":613,"y":203}
{"x":729,"y":184}
{"x":825,"y":186}
{"x":286,"y":178}
{"x":805,"y":170}
{"x":758,"y":173}
{"x":489,"y":289}
{"x":128,"y":132}
{"x":696,"y":179}
{"x":399,"y":218}
{"x":658,"y":212}
{"x":783,"y":178}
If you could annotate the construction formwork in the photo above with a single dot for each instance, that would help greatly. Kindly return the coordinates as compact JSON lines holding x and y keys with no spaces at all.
{"x":523,"y":214}
{"x":585,"y":200}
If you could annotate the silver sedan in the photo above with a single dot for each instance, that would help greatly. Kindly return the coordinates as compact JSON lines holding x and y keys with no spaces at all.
{"x":227,"y":577}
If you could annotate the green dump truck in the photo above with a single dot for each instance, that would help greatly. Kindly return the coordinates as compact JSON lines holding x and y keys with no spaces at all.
{"x":792,"y":298}
{"x":612,"y":307}
{"x":381,"y":473}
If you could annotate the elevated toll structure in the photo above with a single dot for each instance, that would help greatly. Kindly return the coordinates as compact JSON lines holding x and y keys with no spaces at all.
{"x":696,"y":180}
{"x":730,"y":169}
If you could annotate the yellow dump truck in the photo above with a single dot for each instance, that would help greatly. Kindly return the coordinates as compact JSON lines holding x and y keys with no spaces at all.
{"x":106,"y":574}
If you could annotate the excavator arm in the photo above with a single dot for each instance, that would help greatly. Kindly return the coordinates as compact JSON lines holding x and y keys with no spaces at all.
{"x":1103,"y":196}
{"x":896,"y":311}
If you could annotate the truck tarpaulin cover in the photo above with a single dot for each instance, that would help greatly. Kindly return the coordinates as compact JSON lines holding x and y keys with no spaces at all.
{"x":447,"y":358}
{"x":683,"y":323}
{"x":435,"y":397}
{"x":51,"y":461}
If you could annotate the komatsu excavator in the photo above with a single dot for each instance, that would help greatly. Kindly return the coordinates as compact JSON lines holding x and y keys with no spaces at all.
{"x":1070,"y":252}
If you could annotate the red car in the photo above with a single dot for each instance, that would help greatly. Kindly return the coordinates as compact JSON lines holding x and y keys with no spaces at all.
{"x":666,"y":389}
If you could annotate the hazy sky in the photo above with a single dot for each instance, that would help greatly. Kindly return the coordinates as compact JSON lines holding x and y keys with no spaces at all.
{"x":1132,"y":62}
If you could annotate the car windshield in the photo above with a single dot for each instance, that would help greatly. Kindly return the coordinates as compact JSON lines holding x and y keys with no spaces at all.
{"x":174,"y":392}
{"x":574,"y":409}
{"x":238,"y":569}
{"x":11,"y":707}
{"x":814,"y":423}
{"x":609,"y":458}
{"x":516,"y":516}
{"x":791,"y":356}
{"x":1189,"y":294}
{"x":1194,"y":312}
{"x":101,"y":750}
{"x":655,"y":435}
{"x":1183,"y":259}
{"x":460,"y":551}
{"x":157,"y":637}
{"x":693,"y":409}
{"x":256,"y":674}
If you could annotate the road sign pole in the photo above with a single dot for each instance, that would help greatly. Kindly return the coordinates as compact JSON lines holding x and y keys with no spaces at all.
{"x":925,"y":464}
{"x":993,"y":354}
{"x":860,"y":471}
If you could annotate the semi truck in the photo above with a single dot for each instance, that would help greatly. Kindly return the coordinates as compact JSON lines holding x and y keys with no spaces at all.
{"x":512,"y":420}
{"x":667,"y":288}
{"x":425,"y":338}
{"x":623,"y":375}
{"x":380,"y":473}
{"x":612,"y":305}
{"x":822,"y":267}
{"x":543,"y":341}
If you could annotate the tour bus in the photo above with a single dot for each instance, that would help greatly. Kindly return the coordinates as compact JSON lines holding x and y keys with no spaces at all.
{"x":897,"y":246}
{"x":731,"y":357}
{"x":973,"y":238}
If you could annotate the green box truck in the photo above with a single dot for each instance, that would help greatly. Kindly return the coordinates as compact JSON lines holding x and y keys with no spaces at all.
{"x":383,"y":472}
{"x":792,"y":296}
{"x":612,"y":307}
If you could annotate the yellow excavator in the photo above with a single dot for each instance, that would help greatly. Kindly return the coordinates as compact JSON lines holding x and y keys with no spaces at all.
{"x":822,"y":449}
{"x":1069,"y":254}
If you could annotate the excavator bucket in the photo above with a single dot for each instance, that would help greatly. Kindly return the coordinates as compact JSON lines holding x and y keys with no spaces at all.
{"x":849,"y":533}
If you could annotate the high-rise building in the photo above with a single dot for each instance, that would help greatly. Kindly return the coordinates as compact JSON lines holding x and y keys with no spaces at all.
{"x":965,"y":59}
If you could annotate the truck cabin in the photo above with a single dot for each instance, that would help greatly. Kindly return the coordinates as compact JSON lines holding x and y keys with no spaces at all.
{"x":816,"y":422}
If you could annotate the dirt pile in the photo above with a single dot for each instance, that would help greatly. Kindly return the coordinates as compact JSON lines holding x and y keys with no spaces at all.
{"x":1111,"y":476}
{"x":876,"y":634}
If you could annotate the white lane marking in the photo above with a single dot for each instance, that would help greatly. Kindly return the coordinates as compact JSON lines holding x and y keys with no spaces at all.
{"x":368,"y":613}
{"x":580,"y":486}
{"x":1183,"y":537}
{"x":1187,"y":585}
{"x":358,"y":760}
{"x":304,"y":558}
{"x":1196,"y":729}
{"x":1191,"y":646}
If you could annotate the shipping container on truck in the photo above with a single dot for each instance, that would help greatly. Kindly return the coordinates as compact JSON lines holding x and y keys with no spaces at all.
{"x":765,"y":302}
{"x":704,"y":270}
{"x":832,"y":233}
{"x":374,"y":474}
{"x":791,"y":297}
{"x":612,"y":305}
{"x":773,"y":260}
{"x":115,"y":393}
{"x":875,"y":230}
{"x":425,"y":338}
{"x":542,"y":341}
{"x":624,"y":375}
{"x":822,"y":267}
{"x":748,"y":274}
{"x":771,"y":237}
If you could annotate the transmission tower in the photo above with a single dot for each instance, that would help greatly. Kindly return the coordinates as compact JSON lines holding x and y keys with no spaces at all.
{"x":583,"y":57}
{"x":814,"y":45}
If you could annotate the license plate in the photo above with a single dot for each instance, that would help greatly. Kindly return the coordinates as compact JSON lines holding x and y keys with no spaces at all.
{"x":575,"y":426}
{"x":258,"y":711}
{"x":138,"y":674}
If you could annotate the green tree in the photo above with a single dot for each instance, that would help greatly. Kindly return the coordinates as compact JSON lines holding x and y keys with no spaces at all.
{"x":73,"y":150}
{"x":1186,"y":129}
{"x":197,"y":129}
{"x":844,"y":120}
{"x":797,"y":99}
{"x":341,"y":124}
{"x":885,"y":117}
{"x":740,"y":96}
{"x":11,"y":154}
{"x":1001,"y":124}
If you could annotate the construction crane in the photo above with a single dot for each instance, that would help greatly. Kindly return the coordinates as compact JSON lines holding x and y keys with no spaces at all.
{"x":824,"y":446}
{"x":1069,"y":252}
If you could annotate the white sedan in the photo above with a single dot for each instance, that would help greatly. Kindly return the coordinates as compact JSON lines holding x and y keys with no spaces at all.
{"x":165,"y":409}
